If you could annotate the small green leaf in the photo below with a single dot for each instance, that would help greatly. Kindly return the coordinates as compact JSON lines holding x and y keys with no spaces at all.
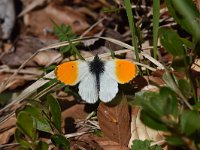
{"x":186,"y":42}
{"x":185,"y":87}
{"x":152,"y":122}
{"x":55,"y":111}
{"x":42,"y":123}
{"x":144,"y":145}
{"x":46,"y":85}
{"x":150,"y":102}
{"x":181,"y":64}
{"x":197,"y":105}
{"x":26,"y":124}
{"x":174,"y":140}
{"x":185,"y":13}
{"x":65,"y":49}
{"x":61,"y":142}
{"x":98,"y":133}
{"x":19,"y":137}
{"x":170,"y":80}
{"x":154,"y":113}
{"x":50,"y":68}
{"x":23,"y":148}
{"x":5,"y":97}
{"x":172,"y":42}
{"x":42,"y":146}
{"x":156,"y":103}
{"x":169,"y":101}
{"x":189,"y":121}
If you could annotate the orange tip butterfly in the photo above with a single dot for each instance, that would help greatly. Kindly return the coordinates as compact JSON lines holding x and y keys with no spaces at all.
{"x":97,"y":79}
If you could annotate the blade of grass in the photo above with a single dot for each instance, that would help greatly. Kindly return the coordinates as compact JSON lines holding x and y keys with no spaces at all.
{"x":132,"y":27}
{"x":156,"y":14}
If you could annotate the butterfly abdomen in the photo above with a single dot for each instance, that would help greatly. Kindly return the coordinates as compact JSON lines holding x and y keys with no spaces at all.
{"x":97,"y":68}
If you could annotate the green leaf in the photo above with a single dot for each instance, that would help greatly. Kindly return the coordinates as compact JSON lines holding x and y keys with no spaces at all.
{"x":154,"y":113}
{"x":46,"y":85}
{"x":65,"y":49}
{"x":55,"y":111}
{"x":23,"y":148}
{"x":156,"y":103}
{"x":172,"y":42}
{"x":144,"y":145}
{"x":174,"y":140}
{"x":26,"y":124}
{"x":19,"y":137}
{"x":50,"y":68}
{"x":197,"y":105}
{"x":186,"y":14}
{"x":182,"y":63}
{"x":42,"y":146}
{"x":169,"y":101}
{"x":152,"y":122}
{"x":189,"y":121}
{"x":5,"y":97}
{"x":145,"y":99}
{"x":186,"y":42}
{"x":42,"y":123}
{"x":170,"y":80}
{"x":185,"y":87}
{"x":61,"y":142}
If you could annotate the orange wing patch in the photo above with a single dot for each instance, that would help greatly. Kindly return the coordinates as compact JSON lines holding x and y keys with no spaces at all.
{"x":67,"y":72}
{"x":125,"y":70}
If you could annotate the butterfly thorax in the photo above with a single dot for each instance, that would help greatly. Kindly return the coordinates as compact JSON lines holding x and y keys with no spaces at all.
{"x":97,"y":68}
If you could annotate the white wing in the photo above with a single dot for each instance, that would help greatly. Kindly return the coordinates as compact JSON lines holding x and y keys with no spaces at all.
{"x":108,"y":87}
{"x":83,"y":70}
{"x":88,"y":88}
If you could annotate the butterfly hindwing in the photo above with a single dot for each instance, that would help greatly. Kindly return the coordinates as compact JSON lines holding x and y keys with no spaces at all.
{"x":108,"y":87}
{"x":88,"y":88}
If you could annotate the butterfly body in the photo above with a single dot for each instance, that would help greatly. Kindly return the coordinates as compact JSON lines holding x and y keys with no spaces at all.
{"x":97,"y":79}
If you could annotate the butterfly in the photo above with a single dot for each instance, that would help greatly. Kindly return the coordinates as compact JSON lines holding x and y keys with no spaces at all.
{"x":97,"y":79}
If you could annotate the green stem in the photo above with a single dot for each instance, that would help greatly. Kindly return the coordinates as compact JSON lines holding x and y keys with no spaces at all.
{"x":156,"y":15}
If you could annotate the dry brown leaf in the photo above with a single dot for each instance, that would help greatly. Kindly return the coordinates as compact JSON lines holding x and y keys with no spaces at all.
{"x":45,"y":58}
{"x":30,"y":5}
{"x":24,"y":49}
{"x":5,"y":136}
{"x":18,"y":80}
{"x":88,"y":141}
{"x":142,"y":132}
{"x":198,"y":4}
{"x":196,"y":65}
{"x":85,"y":142}
{"x":107,"y":144}
{"x":72,"y":111}
{"x":38,"y":21}
{"x":115,"y":35}
{"x":7,"y":129}
{"x":114,"y":121}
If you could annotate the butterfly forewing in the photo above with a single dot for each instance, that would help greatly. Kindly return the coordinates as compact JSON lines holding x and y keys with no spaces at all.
{"x":70,"y":73}
{"x":121,"y":70}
